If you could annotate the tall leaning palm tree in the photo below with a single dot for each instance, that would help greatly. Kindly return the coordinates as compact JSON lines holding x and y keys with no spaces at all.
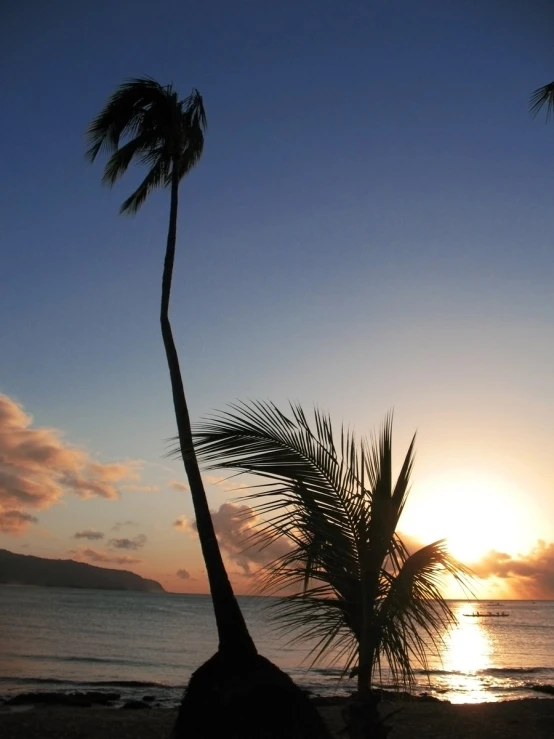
{"x":146,"y":123}
{"x":358,"y":593}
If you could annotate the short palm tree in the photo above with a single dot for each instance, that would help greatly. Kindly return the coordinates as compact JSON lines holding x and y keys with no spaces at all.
{"x":357,"y":591}
{"x":146,"y":123}
{"x":543,"y":97}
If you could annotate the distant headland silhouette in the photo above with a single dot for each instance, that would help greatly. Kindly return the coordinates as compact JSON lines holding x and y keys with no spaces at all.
{"x":22,"y":569}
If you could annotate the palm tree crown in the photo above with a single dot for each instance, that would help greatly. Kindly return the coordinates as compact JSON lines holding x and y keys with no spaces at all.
{"x":359,"y":593}
{"x":146,"y":122}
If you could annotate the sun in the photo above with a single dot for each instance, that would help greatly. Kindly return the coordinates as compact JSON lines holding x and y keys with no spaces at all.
{"x":473,"y":512}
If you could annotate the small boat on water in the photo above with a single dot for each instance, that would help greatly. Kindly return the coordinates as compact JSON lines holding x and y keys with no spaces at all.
{"x":488,"y":614}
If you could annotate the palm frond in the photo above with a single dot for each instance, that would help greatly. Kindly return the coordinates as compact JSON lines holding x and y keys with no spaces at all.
{"x":413,"y":616}
{"x":194,"y":111}
{"x":191,"y":152}
{"x":542,"y":97}
{"x":156,"y":177}
{"x":123,"y":114}
{"x":259,"y":439}
{"x":118,"y":163}
{"x":319,"y":620}
{"x":194,"y":124}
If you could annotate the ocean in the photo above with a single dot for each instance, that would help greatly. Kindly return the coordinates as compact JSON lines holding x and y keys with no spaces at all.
{"x":149,"y":644}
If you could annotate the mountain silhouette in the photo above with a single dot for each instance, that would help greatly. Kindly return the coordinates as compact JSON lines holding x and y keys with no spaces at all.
{"x":23,"y":569}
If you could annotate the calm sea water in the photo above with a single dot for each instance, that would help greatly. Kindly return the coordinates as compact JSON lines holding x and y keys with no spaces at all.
{"x":138,"y":643}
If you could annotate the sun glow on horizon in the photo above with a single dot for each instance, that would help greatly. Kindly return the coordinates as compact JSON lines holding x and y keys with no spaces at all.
{"x":473,"y":512}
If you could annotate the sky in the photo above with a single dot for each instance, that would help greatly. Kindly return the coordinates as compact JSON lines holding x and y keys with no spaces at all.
{"x":369,"y":229}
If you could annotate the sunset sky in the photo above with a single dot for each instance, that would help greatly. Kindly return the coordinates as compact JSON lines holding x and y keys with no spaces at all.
{"x":370,"y":228}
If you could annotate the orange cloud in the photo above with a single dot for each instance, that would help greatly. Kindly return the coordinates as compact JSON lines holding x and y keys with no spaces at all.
{"x":529,"y":575}
{"x":236,"y":527}
{"x":15,"y":522}
{"x":37,"y":467}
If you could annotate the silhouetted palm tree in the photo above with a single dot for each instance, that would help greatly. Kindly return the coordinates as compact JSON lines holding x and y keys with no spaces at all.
{"x":541,"y":97}
{"x":237,"y":690}
{"x":359,"y":593}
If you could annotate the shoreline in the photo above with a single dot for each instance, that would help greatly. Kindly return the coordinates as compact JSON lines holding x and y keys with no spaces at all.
{"x":431,"y":720}
{"x":117,"y":693}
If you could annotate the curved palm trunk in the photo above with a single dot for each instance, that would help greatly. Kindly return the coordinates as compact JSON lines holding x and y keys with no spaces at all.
{"x":237,"y":693}
{"x":234,"y":638}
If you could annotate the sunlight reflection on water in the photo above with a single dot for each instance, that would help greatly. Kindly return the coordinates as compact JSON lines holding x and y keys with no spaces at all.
{"x":467,"y":651}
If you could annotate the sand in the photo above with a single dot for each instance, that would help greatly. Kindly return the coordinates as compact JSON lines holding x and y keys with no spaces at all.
{"x":527,"y":719}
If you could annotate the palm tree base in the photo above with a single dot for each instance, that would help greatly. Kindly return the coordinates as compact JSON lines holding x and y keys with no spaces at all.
{"x":246,"y":697}
{"x":363,"y":720}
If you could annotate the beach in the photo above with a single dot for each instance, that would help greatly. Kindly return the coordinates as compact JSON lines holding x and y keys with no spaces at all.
{"x":503,"y":720}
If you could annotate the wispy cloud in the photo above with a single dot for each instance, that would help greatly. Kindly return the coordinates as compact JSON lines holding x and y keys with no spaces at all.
{"x":183,"y":574}
{"x":133,"y":544}
{"x":118,"y":525}
{"x":134,"y":488}
{"x":93,"y":555}
{"x":178,"y":485}
{"x":88,"y":534}
{"x":37,"y":467}
{"x":184,"y":524}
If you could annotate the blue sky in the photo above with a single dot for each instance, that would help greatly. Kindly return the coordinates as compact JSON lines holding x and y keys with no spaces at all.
{"x":369,"y":227}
